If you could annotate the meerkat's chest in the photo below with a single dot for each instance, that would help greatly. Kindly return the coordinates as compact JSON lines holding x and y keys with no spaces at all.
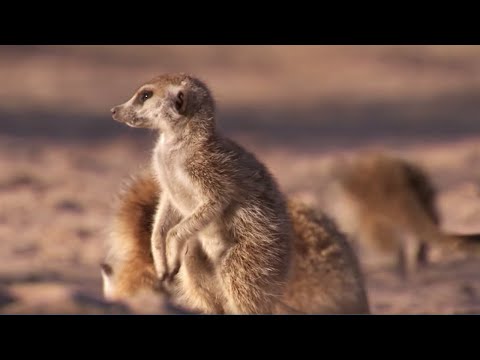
{"x":176,"y":182}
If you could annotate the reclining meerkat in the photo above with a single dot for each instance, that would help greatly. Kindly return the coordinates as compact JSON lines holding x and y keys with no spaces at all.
{"x":217,"y":197}
{"x":388,"y":205}
{"x":326,"y":278}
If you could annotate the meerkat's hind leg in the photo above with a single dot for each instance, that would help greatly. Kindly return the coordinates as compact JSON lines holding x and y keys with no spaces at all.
{"x":242,"y":284}
{"x":199,"y":272}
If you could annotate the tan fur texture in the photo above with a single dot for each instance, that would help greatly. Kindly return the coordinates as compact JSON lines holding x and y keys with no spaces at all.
{"x":325,"y":278}
{"x":389,"y":205}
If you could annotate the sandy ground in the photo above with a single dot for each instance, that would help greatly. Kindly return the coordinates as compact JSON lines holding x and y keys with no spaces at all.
{"x":62,"y":158}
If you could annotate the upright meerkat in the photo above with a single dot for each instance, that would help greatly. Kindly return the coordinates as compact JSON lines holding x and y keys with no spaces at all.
{"x":326,"y":278}
{"x":388,"y":204}
{"x":216,"y":196}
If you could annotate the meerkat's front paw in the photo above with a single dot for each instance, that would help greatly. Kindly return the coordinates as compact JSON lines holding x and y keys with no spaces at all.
{"x":160,"y":265}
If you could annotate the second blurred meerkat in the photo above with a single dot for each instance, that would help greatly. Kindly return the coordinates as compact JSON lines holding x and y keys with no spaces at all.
{"x":389,"y":204}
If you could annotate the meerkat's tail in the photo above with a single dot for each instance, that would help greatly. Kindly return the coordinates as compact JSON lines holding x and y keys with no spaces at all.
{"x":136,"y":206}
{"x":132,"y":224}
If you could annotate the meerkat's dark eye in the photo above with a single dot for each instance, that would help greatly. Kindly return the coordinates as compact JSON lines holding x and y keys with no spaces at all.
{"x":145,"y":95}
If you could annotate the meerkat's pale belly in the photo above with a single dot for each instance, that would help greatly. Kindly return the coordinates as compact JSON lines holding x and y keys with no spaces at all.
{"x":177,"y":185}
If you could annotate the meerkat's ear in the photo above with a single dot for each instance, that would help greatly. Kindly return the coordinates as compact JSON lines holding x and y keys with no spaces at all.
{"x":180,"y":98}
{"x":181,"y":102}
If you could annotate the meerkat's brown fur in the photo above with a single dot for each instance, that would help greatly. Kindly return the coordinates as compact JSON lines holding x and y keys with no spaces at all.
{"x":326,"y":278}
{"x":394,"y":207}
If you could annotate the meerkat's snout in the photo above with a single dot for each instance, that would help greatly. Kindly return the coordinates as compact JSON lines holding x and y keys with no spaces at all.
{"x":115,"y":110}
{"x":124,"y":113}
{"x":117,"y":113}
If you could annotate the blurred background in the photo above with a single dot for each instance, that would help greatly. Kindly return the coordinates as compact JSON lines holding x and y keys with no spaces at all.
{"x":299,"y":108}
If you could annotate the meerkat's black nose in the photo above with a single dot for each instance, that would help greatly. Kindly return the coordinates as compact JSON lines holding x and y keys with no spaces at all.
{"x":113,"y":110}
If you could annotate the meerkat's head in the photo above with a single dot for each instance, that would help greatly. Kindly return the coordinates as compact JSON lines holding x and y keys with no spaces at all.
{"x":169,"y":102}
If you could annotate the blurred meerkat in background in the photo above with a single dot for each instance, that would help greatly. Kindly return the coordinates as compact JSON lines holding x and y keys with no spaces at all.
{"x":388,"y":207}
